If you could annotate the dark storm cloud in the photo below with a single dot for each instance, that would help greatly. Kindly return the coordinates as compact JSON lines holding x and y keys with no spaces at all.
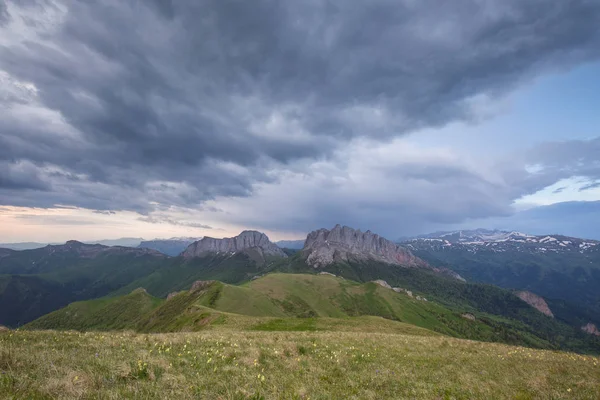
{"x":562,"y":160}
{"x":176,"y":102}
{"x":3,"y":11}
{"x":19,"y":176}
{"x":398,"y":191}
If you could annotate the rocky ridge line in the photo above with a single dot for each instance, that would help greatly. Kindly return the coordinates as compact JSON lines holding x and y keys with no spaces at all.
{"x":244,"y":241}
{"x":341,"y":244}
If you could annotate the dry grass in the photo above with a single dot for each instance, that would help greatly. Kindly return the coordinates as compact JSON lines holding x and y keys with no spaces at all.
{"x":288,"y":365}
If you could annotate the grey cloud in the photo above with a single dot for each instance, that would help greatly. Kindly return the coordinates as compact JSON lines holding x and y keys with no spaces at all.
{"x":391,"y":191}
{"x":172,"y":221}
{"x":561,"y":160}
{"x":407,"y":193}
{"x":179,"y":102}
{"x":21,"y":176}
{"x":34,"y":219}
{"x":589,"y":186}
{"x":3,"y":11}
{"x":104,"y":212}
{"x":574,"y":218}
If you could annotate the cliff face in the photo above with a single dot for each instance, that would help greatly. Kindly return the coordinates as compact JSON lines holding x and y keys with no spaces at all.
{"x":244,"y":241}
{"x":536,"y":302}
{"x":324,"y":247}
{"x":591,"y":329}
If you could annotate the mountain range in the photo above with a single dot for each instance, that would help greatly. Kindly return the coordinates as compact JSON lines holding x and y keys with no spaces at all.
{"x":36,"y":282}
{"x":558,"y":267}
{"x":126,"y":242}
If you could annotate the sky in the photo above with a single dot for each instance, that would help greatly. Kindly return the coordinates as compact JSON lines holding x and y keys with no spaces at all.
{"x":163,"y":118}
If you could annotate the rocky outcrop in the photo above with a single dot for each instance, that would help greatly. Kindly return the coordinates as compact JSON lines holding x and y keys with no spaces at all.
{"x":382,"y":283}
{"x":324,"y":247}
{"x":172,"y":294}
{"x":244,"y":241}
{"x":468,"y":316}
{"x":536,"y":302}
{"x":402,"y":290}
{"x":200,"y":285}
{"x":591,"y":329}
{"x":341,"y":244}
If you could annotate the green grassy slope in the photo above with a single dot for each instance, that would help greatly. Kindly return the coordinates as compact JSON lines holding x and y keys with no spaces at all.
{"x":179,"y":273}
{"x":286,"y":302}
{"x":212,"y":306}
{"x":111,"y":313}
{"x":506,"y":312}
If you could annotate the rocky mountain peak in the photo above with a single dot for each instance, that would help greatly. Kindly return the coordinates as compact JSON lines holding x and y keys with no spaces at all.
{"x":244,"y":241}
{"x":342,"y":243}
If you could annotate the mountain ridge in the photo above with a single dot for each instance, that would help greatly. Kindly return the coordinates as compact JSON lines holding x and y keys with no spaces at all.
{"x":556,"y":267}
{"x":244,"y":241}
{"x":341,"y":244}
{"x":496,"y":240}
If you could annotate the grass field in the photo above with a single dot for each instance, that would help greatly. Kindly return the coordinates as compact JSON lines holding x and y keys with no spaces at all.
{"x":342,"y":359}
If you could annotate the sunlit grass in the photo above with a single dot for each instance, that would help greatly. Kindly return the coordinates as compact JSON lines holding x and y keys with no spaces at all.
{"x":226,"y":364}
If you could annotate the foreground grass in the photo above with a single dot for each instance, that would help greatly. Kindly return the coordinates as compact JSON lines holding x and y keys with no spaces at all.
{"x":225,"y":364}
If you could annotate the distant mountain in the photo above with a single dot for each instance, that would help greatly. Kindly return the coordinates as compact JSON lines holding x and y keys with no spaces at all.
{"x":22,"y":245}
{"x":35,"y":282}
{"x":291,"y":244}
{"x":171,"y":247}
{"x":231,"y":260}
{"x":126,"y":242}
{"x":505,"y":240}
{"x":553,"y":266}
{"x":343,"y":244}
{"x":247,"y":240}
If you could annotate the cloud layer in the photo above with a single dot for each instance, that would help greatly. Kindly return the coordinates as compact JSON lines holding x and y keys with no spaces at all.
{"x":145,"y":106}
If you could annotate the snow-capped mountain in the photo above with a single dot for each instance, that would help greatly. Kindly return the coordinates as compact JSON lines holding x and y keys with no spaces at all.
{"x":557,"y":267}
{"x":501,"y":241}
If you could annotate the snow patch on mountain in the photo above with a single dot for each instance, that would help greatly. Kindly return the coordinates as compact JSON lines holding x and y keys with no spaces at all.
{"x":501,"y":241}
